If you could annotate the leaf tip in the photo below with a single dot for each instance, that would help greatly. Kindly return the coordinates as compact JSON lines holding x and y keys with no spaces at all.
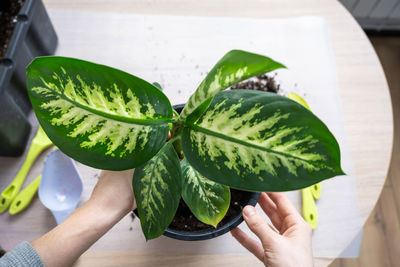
{"x":213,"y":222}
{"x":149,"y":236}
{"x":282,"y":66}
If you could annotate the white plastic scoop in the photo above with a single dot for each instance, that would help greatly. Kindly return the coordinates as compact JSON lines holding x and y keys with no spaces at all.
{"x":61,"y":186}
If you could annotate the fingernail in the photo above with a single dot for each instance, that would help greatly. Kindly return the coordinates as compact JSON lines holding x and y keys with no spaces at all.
{"x":249,"y":211}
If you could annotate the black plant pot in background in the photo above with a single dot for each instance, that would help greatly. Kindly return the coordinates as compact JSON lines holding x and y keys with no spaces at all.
{"x":33,"y":35}
{"x":231,"y":220}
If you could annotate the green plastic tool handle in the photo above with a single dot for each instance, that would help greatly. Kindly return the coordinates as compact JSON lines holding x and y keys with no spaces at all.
{"x":316,"y":190}
{"x":298,"y":99}
{"x":310,"y":213}
{"x":12,"y":190}
{"x":23,"y":199}
{"x":39,"y":143}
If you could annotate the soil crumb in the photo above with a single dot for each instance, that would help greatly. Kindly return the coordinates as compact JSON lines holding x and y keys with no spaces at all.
{"x":263,"y":82}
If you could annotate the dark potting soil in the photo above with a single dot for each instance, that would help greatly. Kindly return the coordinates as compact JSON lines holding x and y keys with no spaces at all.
{"x":184,"y":219}
{"x":262,"y":83}
{"x":8,"y":17}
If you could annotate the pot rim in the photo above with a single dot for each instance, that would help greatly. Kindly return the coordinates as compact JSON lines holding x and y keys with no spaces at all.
{"x":213,"y":232}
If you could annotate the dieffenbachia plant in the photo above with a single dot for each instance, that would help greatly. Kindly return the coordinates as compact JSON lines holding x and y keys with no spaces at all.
{"x":248,"y":140}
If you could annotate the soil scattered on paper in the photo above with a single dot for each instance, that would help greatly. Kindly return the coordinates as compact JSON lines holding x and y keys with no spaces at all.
{"x":263,"y":82}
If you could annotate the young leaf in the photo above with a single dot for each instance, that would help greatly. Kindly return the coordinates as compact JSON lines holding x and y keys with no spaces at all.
{"x":209,"y":201}
{"x":234,"y":67}
{"x":157,"y":187}
{"x":258,"y":141}
{"x":100,"y":116}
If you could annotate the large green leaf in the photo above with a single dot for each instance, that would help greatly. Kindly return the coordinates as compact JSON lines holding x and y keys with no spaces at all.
{"x":157,"y":187}
{"x":209,"y":201}
{"x":100,"y":116}
{"x":260,"y":141}
{"x":235,"y":66}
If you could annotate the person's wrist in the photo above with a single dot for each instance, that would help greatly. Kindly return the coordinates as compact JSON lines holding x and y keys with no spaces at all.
{"x":123,"y":205}
{"x":114,"y":191}
{"x":106,"y":214}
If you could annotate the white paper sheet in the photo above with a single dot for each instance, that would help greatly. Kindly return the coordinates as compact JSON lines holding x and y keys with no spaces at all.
{"x":177,"y":52}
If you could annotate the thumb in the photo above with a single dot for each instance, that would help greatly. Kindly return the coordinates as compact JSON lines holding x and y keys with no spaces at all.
{"x":259,"y":226}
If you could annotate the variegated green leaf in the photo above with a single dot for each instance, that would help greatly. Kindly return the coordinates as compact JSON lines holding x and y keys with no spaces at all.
{"x":157,"y":187}
{"x":100,"y":116}
{"x":259,"y":141}
{"x":234,"y":67}
{"x":209,"y":201}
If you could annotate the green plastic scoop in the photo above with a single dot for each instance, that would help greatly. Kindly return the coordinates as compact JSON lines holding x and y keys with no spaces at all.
{"x":309,"y":210}
{"x":39,"y":143}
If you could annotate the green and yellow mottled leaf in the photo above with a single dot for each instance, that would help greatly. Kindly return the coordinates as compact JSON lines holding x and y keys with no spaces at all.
{"x":234,"y":67}
{"x":258,"y":141}
{"x":209,"y":201}
{"x":100,"y":116}
{"x":157,"y":187}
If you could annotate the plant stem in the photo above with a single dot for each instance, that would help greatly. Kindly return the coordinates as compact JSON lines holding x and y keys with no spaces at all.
{"x":176,"y":113}
{"x":176,"y":137}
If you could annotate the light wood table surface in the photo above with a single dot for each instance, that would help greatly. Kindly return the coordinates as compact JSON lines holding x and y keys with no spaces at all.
{"x":363,"y":89}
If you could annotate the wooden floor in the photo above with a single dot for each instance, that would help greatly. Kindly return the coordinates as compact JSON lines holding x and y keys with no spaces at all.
{"x":381,"y":236}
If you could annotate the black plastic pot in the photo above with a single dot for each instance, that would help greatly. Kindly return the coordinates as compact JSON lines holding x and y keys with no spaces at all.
{"x":213,"y":232}
{"x":33,"y":36}
{"x":251,"y":199}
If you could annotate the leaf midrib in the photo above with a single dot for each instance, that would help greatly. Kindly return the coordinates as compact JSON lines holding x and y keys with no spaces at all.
{"x":202,"y":188}
{"x":115,"y":117}
{"x":155,"y":166}
{"x":241,"y":142}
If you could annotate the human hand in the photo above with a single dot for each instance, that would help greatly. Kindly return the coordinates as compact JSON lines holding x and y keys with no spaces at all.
{"x":113,"y":191}
{"x":290,"y":246}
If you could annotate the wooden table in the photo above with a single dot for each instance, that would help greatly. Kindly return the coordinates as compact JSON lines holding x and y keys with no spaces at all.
{"x":363,"y":89}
